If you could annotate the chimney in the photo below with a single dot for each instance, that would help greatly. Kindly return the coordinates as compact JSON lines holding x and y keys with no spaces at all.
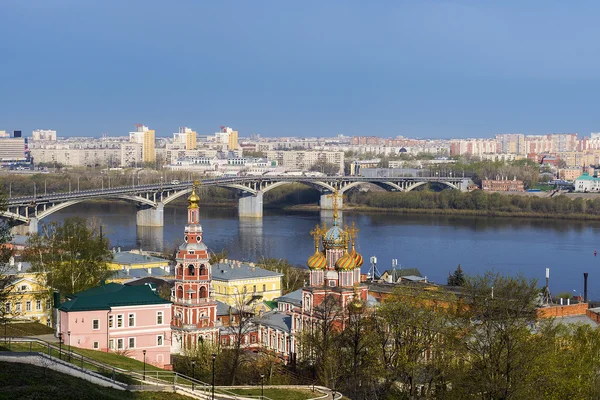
{"x":585,"y":277}
{"x":19,"y":266}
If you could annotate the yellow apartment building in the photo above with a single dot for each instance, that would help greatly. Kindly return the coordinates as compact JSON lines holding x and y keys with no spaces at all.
{"x":28,"y":299}
{"x":232,"y":280}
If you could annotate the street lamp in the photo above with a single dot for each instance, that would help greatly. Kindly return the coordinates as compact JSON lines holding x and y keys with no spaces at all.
{"x":193,"y":373}
{"x":144,"y":352}
{"x":262,"y":385}
{"x":214,"y":357}
{"x":60,"y":345}
{"x":69,"y":337}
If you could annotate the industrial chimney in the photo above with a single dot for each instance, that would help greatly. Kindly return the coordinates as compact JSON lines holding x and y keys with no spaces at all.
{"x":585,"y":277}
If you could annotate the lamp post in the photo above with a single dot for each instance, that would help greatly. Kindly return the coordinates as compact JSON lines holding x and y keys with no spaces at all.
{"x":60,"y":345}
{"x":214,"y":357}
{"x":262,"y":385}
{"x":193,"y":373}
{"x":144,"y":352}
{"x":69,"y":337}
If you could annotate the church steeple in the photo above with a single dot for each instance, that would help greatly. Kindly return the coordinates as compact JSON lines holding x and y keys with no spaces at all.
{"x":193,"y":208}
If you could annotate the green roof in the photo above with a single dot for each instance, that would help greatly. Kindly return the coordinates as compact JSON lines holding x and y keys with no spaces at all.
{"x":586,"y":177}
{"x":271,"y":304}
{"x":104,"y":297}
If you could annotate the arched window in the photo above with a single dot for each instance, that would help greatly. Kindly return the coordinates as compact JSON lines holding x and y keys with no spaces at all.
{"x":191,"y":270}
{"x":203,"y":292}
{"x":180,"y":292}
{"x":203,"y":269}
{"x":180,"y":269}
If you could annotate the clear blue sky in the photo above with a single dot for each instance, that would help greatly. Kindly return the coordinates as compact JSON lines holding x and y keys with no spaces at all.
{"x":417,"y":68}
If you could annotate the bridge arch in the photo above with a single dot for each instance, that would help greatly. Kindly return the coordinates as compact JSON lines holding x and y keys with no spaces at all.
{"x":14,"y":216}
{"x":314,"y":184}
{"x":60,"y":206}
{"x":417,"y":184}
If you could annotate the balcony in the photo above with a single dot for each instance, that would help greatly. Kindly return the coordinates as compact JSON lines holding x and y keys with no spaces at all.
{"x":192,"y":302}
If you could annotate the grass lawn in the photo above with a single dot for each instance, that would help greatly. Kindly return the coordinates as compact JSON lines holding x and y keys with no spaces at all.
{"x":25,"y":329}
{"x":279,"y":394}
{"x":24,"y":382}
{"x":113,"y":359}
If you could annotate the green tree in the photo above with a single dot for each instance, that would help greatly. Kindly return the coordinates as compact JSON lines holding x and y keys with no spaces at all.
{"x":325,"y":168}
{"x":458,"y":278}
{"x":498,"y":354}
{"x":6,"y":279}
{"x":69,"y":256}
{"x":293,"y":277}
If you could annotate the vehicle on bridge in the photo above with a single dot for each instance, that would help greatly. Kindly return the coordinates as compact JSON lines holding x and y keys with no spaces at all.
{"x":175,"y":182}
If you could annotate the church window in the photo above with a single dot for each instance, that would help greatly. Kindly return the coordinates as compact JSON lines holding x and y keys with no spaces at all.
{"x":185,"y":238}
{"x":203,"y":270}
{"x":191,"y":270}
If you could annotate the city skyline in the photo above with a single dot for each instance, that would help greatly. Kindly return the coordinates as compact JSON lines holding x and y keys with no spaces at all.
{"x":430,"y":69}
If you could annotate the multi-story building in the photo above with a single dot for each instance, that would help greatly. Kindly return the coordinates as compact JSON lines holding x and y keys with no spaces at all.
{"x":43,"y":134}
{"x":146,"y":138}
{"x":229,"y":137}
{"x":194,"y":307}
{"x":12,"y":149}
{"x":473,"y":147}
{"x":232,"y":280}
{"x":28,"y":298}
{"x":511,"y":143}
{"x":186,"y":137}
{"x":587,"y":183}
{"x":502,"y":185}
{"x":304,"y":160}
{"x":132,"y":320}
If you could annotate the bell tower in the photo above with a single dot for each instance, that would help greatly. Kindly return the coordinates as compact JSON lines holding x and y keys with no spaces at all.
{"x":194,"y":309}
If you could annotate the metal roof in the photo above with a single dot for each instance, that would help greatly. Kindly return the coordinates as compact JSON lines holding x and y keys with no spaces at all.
{"x":237,"y":271}
{"x":104,"y":297}
{"x":127,"y":257}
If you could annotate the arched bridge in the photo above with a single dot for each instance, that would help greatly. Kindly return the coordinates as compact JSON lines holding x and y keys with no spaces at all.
{"x":151,"y":199}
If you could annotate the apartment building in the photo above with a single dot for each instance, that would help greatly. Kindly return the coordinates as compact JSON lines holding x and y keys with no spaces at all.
{"x":228,"y":137}
{"x":304,"y":160}
{"x":43,"y":134}
{"x":186,"y":137}
{"x":145,"y":137}
{"x":12,"y":149}
{"x":511,"y":143}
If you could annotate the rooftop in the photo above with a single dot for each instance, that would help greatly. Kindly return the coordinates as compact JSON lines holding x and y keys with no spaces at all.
{"x":294,"y":297}
{"x":139,"y":273}
{"x":128,"y":257}
{"x":236,"y":270}
{"x":104,"y":297}
{"x":275,"y":319}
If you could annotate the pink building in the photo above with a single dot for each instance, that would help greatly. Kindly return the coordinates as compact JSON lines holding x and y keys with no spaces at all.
{"x":119,"y":318}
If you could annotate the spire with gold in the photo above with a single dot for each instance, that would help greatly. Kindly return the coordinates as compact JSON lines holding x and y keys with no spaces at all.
{"x":352,"y":232}
{"x":194,"y":199}
{"x":317,"y":260}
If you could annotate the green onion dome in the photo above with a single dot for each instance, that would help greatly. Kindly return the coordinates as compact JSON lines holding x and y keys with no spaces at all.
{"x":317,"y":261}
{"x":345,"y":263}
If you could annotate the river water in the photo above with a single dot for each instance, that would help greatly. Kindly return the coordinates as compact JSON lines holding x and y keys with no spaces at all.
{"x":433,"y":244}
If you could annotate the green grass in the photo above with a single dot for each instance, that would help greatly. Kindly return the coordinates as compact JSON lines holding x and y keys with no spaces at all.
{"x":278,"y":394}
{"x":26,"y":329}
{"x":24,"y":382}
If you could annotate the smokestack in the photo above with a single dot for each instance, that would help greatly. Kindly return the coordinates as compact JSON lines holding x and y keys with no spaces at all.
{"x":585,"y":276}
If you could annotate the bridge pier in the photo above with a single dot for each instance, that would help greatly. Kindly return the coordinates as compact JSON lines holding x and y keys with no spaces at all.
{"x":326,"y":201}
{"x":150,"y":216}
{"x":26,"y":228}
{"x":251,"y":206}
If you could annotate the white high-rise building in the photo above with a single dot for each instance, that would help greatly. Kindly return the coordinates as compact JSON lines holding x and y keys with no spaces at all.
{"x":43,"y":134}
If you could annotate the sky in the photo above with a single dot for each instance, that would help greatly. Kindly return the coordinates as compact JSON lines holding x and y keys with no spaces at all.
{"x":421,"y":68}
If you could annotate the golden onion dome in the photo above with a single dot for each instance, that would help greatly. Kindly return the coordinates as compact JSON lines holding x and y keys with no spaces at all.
{"x":194,"y":199}
{"x":317,"y":261}
{"x":345,"y":262}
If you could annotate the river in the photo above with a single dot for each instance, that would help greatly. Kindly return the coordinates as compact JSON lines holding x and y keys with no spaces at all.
{"x":433,"y":244}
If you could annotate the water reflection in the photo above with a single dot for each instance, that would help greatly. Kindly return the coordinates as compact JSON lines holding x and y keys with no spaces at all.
{"x":433,"y":243}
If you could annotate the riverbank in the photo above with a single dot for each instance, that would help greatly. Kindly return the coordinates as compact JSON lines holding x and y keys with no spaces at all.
{"x":448,"y":212}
